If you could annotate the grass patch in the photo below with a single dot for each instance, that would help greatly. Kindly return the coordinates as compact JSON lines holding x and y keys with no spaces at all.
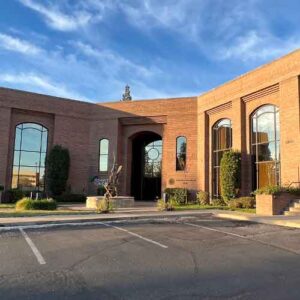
{"x":10,"y":213}
{"x":7,"y":205}
{"x":198,"y":206}
{"x":207,"y":207}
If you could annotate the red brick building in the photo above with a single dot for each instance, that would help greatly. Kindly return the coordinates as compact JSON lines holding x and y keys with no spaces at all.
{"x":162,"y":142}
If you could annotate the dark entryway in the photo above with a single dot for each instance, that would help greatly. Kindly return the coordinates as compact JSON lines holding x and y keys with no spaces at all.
{"x":146,"y":166}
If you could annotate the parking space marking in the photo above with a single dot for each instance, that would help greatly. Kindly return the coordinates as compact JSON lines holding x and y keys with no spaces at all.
{"x":34,"y":249}
{"x":216,"y":230}
{"x":137,"y":235}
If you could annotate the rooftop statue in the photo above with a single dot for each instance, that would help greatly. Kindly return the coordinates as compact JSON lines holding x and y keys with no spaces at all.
{"x":126,"y":96}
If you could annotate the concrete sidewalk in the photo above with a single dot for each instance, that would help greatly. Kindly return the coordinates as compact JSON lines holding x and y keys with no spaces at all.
{"x":288,"y":221}
{"x":149,"y":212}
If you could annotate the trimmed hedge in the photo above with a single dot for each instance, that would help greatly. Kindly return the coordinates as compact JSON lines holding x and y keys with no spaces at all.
{"x":178,"y":195}
{"x":203,"y":198}
{"x":13,"y":195}
{"x":230,"y":174}
{"x":57,"y":165}
{"x":275,"y":189}
{"x":29,"y":204}
{"x":242,"y":202}
{"x":79,"y":198}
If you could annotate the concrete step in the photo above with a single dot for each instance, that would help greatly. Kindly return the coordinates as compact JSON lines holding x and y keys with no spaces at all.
{"x":294,"y":209}
{"x":292,"y":213}
{"x":296,"y":205}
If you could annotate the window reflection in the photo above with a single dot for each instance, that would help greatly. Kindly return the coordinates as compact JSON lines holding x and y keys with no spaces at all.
{"x":221,"y":142}
{"x":153,"y":157}
{"x":29,"y":157}
{"x":103,"y":155}
{"x":266,"y":145}
{"x":181,"y":153}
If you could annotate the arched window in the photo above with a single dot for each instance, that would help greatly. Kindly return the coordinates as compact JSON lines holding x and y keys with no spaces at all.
{"x":221,"y":142}
{"x":153,"y":156}
{"x":180,"y":153}
{"x":265,"y":140}
{"x":29,"y":157}
{"x":103,"y":155}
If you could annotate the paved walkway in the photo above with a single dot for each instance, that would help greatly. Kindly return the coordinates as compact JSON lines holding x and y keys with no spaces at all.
{"x":144,"y":210}
{"x":289,"y":221}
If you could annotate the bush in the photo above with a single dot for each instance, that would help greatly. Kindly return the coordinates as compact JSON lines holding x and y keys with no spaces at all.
{"x":104,"y":207}
{"x":162,"y":205}
{"x":13,"y":195}
{"x":203,"y":198}
{"x":1,"y":188}
{"x":57,"y":164}
{"x":242,"y":202}
{"x":275,"y":189}
{"x":100,"y":190}
{"x":230,"y":174}
{"x":78,"y":198}
{"x":177,"y":195}
{"x":218,"y":202}
{"x":29,"y":204}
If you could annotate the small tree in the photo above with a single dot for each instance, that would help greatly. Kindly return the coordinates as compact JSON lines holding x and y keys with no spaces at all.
{"x":57,"y":164}
{"x":230,"y":174}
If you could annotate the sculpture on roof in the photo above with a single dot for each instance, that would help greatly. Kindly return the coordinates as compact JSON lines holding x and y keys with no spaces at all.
{"x":126,"y":96}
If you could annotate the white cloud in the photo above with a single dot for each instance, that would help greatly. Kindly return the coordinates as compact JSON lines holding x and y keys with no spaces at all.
{"x":112,"y":62}
{"x":255,"y":46}
{"x":40,"y":84}
{"x":11,"y":43}
{"x":56,"y":19}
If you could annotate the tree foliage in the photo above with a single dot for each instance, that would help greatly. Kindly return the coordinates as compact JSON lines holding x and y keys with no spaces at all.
{"x":58,"y":165}
{"x":230,"y":174}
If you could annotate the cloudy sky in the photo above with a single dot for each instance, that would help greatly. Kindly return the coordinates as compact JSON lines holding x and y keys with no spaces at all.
{"x":90,"y":49}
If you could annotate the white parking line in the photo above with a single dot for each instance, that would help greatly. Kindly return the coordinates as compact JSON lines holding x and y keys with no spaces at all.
{"x":34,"y":249}
{"x":137,"y":235}
{"x":216,"y":230}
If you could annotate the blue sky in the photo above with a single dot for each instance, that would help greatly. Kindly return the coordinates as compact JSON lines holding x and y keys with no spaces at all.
{"x":90,"y":49}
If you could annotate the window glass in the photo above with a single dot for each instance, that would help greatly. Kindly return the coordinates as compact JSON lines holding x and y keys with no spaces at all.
{"x":103,"y":155}
{"x":181,"y":153}
{"x":29,"y":157}
{"x":153,"y":157}
{"x":266,"y":146}
{"x":222,"y":141}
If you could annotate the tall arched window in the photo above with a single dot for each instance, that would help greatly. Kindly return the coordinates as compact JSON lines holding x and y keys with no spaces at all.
{"x":181,"y":153}
{"x":29,"y":157}
{"x":265,"y":140}
{"x":221,"y":142}
{"x":103,"y":155}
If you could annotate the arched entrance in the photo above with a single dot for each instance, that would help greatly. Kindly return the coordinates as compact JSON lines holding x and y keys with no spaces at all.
{"x":146,"y":166}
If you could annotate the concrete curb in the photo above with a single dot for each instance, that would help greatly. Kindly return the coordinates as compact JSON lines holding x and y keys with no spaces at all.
{"x":274,"y":220}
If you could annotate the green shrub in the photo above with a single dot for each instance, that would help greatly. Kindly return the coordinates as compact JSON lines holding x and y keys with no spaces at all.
{"x":242,"y":202}
{"x":275,"y":189}
{"x":177,"y":195}
{"x":203,"y":198}
{"x":100,"y":190}
{"x":78,"y":198}
{"x":218,"y":202}
{"x":104,"y":207}
{"x":1,"y":188}
{"x":57,"y":164}
{"x":230,"y":174}
{"x":13,"y":195}
{"x":29,"y":204}
{"x":162,"y":205}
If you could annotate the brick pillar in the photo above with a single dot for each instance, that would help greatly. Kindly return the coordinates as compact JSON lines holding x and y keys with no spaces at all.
{"x":290,"y":130}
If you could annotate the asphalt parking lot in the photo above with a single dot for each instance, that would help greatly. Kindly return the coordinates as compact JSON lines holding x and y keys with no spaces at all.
{"x":179,"y":258}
